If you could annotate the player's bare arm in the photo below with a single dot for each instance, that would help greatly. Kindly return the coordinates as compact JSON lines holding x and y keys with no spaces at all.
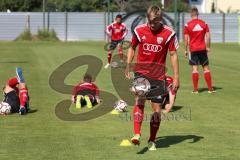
{"x":175,"y":67}
{"x":130,"y":56}
{"x":208,"y":41}
{"x":108,"y":31}
{"x":73,"y":98}
{"x":186,"y":43}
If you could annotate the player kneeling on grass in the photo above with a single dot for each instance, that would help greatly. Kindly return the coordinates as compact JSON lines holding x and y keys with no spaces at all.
{"x":85,"y":93}
{"x":16,"y":94}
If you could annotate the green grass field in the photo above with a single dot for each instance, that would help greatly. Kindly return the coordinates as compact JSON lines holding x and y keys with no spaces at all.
{"x":207,"y":129}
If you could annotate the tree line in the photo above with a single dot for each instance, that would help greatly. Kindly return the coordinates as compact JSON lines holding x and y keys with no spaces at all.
{"x":82,"y":5}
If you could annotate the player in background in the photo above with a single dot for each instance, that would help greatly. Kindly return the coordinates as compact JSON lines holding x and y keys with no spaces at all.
{"x":195,"y":33}
{"x":117,"y":31}
{"x":154,"y":41}
{"x":16,"y":93}
{"x":85,"y":93}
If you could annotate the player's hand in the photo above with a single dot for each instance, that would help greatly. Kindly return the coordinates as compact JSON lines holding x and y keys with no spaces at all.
{"x":176,"y":84}
{"x":208,"y":50}
{"x":73,"y":99}
{"x":98,"y":100}
{"x":127,"y":72}
{"x":168,"y":108}
{"x":185,"y":54}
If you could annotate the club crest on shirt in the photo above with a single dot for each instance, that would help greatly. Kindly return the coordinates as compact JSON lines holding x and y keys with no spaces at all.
{"x":159,"y":40}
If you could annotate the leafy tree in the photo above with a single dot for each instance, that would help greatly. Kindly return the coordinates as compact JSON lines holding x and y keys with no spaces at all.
{"x":182,"y":6}
{"x":84,"y":5}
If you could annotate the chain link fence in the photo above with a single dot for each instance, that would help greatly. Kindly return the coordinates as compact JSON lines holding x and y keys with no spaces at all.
{"x":75,"y":26}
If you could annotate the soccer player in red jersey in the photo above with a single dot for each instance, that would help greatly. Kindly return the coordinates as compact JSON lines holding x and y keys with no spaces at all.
{"x":195,"y":33}
{"x":85,"y":93}
{"x":117,"y":31}
{"x":154,"y":41}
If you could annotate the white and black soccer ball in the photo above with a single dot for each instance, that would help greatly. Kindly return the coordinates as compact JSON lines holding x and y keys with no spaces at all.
{"x":5,"y":108}
{"x":141,"y":86}
{"x":121,"y":106}
{"x":114,"y":64}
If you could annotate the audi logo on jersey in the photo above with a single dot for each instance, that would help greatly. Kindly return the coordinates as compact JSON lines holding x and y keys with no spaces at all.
{"x":152,"y":47}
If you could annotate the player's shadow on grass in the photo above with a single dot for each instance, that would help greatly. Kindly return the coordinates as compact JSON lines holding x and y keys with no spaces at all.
{"x":32,"y":111}
{"x":176,"y":108}
{"x":200,"y":90}
{"x":167,"y":141}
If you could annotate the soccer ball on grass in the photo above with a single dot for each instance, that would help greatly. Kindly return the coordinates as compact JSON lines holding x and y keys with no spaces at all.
{"x":121,"y":106}
{"x":5,"y":108}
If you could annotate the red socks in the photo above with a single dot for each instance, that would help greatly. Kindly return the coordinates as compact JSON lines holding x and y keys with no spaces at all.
{"x":208,"y":79}
{"x":12,"y":82}
{"x":109,"y":56}
{"x":23,"y":96}
{"x":120,"y":53}
{"x":195,"y":77}
{"x":154,"y":125}
{"x":138,"y":112}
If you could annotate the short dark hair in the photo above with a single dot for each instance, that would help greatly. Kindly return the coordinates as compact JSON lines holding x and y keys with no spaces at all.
{"x":87,"y":78}
{"x":194,"y":11}
{"x":119,"y":16}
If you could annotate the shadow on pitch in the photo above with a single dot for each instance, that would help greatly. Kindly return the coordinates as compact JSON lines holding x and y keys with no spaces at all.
{"x":29,"y":112}
{"x":167,"y":141}
{"x":200,"y":90}
{"x":32,"y":111}
{"x":176,"y":108}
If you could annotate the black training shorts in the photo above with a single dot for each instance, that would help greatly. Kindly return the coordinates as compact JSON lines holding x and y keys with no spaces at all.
{"x":198,"y":58}
{"x":114,"y":44}
{"x":13,"y":100}
{"x":158,"y":90}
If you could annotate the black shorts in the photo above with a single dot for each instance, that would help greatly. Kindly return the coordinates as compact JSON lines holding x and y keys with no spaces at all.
{"x":13,"y":100}
{"x":158,"y":90}
{"x":198,"y":58}
{"x":90,"y":93}
{"x":92,"y":99}
{"x":166,"y":101}
{"x":114,"y":44}
{"x":85,"y":92}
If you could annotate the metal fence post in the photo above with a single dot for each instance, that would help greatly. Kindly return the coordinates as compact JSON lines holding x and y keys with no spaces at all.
{"x":105,"y":25}
{"x":28,"y":22}
{"x":239,"y":28}
{"x":48,"y":20}
{"x":223,"y":27}
{"x":44,"y":9}
{"x":183,"y":25}
{"x":66,"y":25}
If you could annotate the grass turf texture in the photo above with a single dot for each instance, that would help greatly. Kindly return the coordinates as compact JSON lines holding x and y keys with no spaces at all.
{"x":212,"y":133}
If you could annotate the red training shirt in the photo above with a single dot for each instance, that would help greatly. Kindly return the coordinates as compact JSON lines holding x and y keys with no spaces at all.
{"x":153,"y":49}
{"x":118,"y":31}
{"x":85,"y":86}
{"x":196,"y":30}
